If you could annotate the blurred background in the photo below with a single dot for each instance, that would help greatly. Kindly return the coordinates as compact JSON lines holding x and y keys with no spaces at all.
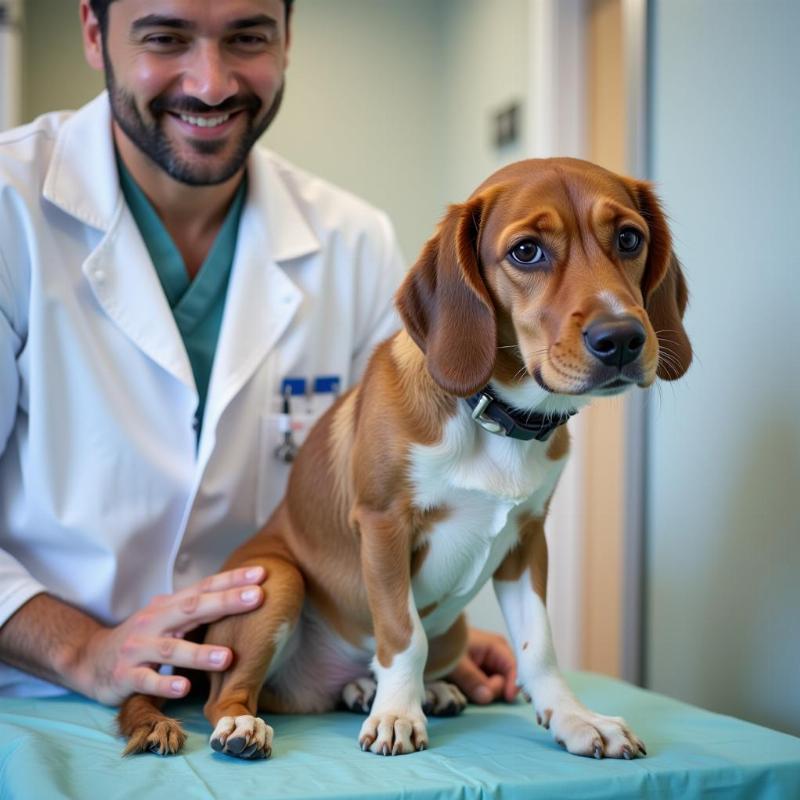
{"x":675,"y":535}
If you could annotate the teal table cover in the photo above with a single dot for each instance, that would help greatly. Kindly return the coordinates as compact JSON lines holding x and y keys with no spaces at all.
{"x":66,"y":748}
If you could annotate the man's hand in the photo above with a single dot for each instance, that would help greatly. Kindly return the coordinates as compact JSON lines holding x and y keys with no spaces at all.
{"x":488,"y":670}
{"x":120,"y":661}
{"x":59,"y":643}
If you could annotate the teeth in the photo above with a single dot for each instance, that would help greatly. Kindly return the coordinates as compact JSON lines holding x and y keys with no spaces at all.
{"x":205,"y":122}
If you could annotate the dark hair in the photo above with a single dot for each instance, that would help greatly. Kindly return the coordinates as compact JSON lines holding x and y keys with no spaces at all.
{"x":100,"y":10}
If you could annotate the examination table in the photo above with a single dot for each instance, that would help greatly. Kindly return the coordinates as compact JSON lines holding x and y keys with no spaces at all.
{"x":66,"y":748}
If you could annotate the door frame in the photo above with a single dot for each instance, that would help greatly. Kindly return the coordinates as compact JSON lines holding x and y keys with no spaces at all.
{"x":557,"y":123}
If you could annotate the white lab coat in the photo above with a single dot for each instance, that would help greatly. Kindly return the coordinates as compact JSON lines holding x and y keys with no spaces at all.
{"x":106,"y":498}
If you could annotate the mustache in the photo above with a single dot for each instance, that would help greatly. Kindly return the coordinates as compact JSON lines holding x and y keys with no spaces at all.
{"x":191,"y":105}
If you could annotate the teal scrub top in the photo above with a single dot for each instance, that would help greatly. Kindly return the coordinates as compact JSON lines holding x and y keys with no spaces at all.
{"x":198,"y":304}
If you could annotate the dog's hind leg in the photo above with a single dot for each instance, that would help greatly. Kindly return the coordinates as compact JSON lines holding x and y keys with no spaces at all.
{"x":255,"y":638}
{"x":443,"y":698}
{"x":142,"y":722}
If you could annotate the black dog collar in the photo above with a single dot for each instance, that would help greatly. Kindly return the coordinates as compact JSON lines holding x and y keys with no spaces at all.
{"x":497,"y":417}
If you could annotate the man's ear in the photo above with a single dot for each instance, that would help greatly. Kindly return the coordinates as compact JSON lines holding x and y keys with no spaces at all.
{"x":664,"y":289}
{"x":92,"y":37}
{"x":446,"y":307}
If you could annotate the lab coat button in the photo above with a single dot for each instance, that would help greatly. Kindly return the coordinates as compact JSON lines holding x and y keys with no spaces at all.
{"x":182,"y":562}
{"x":100,"y":275}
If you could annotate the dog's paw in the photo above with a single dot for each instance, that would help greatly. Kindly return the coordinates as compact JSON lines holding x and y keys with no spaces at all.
{"x":584,"y":733}
{"x":359,"y":695}
{"x":443,"y":699}
{"x":394,"y":734}
{"x":164,"y":738}
{"x":242,"y":737}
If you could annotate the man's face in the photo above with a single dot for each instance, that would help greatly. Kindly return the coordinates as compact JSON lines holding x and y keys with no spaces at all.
{"x":194,"y":83}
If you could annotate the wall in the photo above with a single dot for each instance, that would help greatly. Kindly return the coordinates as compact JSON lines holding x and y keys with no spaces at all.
{"x":485,"y":64}
{"x":364,"y":105}
{"x":55,"y":75}
{"x":724,"y":471}
{"x":10,"y":63}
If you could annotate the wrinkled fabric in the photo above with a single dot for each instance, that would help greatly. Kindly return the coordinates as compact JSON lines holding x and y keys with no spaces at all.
{"x":66,"y":747}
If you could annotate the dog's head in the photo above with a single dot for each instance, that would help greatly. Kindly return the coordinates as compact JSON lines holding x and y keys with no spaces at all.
{"x":556,"y":269}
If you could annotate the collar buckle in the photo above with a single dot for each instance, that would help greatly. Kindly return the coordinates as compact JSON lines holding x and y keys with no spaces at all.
{"x":495,"y":416}
{"x":484,"y":401}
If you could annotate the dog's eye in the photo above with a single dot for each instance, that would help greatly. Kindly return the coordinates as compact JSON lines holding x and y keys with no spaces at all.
{"x":629,"y":240}
{"x":526,"y":253}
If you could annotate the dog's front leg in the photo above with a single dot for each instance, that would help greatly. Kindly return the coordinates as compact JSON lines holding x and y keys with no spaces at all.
{"x":520,"y":584}
{"x":396,"y":723}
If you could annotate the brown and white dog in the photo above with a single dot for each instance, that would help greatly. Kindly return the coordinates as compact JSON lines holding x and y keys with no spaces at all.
{"x":555,"y":282}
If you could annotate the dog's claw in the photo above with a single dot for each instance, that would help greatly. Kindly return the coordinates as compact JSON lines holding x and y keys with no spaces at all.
{"x":598,"y":751}
{"x":627,"y":753}
{"x":543,"y":718}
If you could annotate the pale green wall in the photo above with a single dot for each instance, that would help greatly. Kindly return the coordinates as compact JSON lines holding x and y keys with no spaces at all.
{"x":55,"y":75}
{"x":363,"y":105}
{"x":724,"y":499}
{"x":485,"y":65}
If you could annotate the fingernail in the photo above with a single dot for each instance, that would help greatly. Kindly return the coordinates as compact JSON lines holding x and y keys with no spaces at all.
{"x":217,"y":656}
{"x":250,"y":595}
{"x":178,"y":687}
{"x":253,"y":574}
{"x":483,"y":694}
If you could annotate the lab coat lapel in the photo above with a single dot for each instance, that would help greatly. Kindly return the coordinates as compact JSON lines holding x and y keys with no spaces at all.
{"x":126,"y":285}
{"x":262,"y":299}
{"x":82,"y":181}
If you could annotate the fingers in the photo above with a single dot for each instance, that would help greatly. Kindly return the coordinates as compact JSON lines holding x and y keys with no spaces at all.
{"x":502,"y":664}
{"x":147,"y":681}
{"x":192,"y":608}
{"x":122,"y":658}
{"x":217,"y":596}
{"x":177,"y":653}
{"x":492,"y":654}
{"x":231,"y":579}
{"x":472,"y":681}
{"x":134,"y":671}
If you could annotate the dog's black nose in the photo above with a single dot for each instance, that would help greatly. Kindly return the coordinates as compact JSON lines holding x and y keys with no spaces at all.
{"x":616,"y":341}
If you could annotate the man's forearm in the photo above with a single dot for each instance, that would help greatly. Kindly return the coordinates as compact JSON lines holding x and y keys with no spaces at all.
{"x":54,"y":641}
{"x":46,"y":638}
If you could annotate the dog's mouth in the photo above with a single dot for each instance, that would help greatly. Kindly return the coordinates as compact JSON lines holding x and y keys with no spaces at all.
{"x":612,"y":387}
{"x":602,"y":385}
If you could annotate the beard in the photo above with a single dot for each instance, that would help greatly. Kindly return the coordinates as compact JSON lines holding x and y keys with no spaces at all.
{"x":151,"y":139}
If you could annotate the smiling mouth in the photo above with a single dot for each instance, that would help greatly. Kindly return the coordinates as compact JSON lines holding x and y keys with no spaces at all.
{"x":206,"y":123}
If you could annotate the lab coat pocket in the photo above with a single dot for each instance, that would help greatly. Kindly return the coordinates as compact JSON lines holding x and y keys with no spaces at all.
{"x":276,"y":450}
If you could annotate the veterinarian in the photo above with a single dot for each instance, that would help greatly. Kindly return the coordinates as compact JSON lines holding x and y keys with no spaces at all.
{"x":160,"y":281}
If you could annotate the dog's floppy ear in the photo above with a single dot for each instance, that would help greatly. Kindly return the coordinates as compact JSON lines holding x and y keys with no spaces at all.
{"x":446,"y":307}
{"x":664,"y":289}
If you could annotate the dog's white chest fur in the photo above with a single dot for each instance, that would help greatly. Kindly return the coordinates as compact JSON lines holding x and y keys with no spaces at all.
{"x":480,"y":479}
